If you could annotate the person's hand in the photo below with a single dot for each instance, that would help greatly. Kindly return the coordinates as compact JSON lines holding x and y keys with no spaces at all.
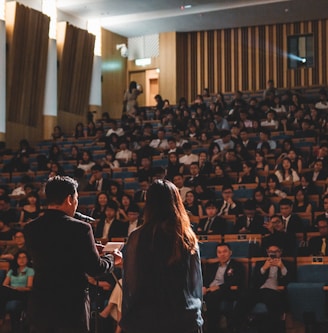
{"x":243,"y":230}
{"x":213,"y":288}
{"x":268,"y":225}
{"x":117,"y":256}
{"x":100,"y":248}
{"x":267,"y":264}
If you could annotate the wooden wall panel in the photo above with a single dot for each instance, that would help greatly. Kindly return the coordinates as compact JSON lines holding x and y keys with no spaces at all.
{"x":245,"y":58}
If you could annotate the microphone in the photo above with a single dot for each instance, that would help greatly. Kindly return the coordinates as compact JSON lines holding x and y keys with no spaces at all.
{"x":83,"y":217}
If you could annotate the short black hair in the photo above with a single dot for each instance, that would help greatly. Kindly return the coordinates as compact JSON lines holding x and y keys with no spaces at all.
{"x":286,"y":201}
{"x":58,"y":188}
{"x":224,"y":244}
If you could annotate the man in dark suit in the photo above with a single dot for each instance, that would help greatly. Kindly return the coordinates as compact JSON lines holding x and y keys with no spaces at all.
{"x":318,"y":245}
{"x":196,"y":178}
{"x":219,"y":277}
{"x":63,"y":251}
{"x":228,"y":206}
{"x":292,"y":222}
{"x":213,"y":224}
{"x":325,"y":209}
{"x":97,"y":181}
{"x":141,"y":195}
{"x":267,"y":276}
{"x":250,"y":221}
{"x":110,"y":226}
{"x":278,"y":236}
{"x":247,"y":143}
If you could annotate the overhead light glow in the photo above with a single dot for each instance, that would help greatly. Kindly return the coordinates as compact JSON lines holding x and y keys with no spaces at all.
{"x":2,"y":9}
{"x":95,"y":29}
{"x":49,"y":8}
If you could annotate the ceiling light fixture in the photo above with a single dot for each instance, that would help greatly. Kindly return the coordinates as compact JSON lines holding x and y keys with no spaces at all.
{"x":183,"y":7}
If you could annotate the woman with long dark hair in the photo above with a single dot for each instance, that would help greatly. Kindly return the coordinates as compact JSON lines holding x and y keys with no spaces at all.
{"x":162,"y":281}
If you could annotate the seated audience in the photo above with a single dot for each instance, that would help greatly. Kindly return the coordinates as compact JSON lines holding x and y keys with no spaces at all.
{"x":266,"y":277}
{"x":227,"y":205}
{"x":16,"y":286}
{"x":213,"y":224}
{"x":11,"y":250}
{"x":278,"y":235}
{"x":220,"y":275}
{"x":292,"y":222}
{"x":109,"y":226}
{"x":317,"y":245}
{"x":250,"y":221}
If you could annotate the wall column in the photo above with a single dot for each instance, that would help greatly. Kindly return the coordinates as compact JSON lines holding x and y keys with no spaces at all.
{"x":2,"y":80}
{"x":95,"y":90}
{"x":50,"y":101}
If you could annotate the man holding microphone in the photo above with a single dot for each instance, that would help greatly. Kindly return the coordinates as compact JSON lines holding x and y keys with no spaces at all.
{"x":63,"y":252}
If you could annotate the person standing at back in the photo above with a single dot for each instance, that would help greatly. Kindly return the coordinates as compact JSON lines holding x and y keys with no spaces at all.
{"x":162,"y":279}
{"x":63,"y":251}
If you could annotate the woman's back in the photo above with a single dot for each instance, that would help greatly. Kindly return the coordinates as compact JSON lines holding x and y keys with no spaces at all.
{"x":162,"y":297}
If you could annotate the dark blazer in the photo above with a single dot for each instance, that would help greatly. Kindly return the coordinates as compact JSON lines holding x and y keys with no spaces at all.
{"x":258,"y":279}
{"x":63,"y":251}
{"x":138,"y":196}
{"x":117,"y":229}
{"x":217,"y":227}
{"x":255,"y":227}
{"x":285,"y":240}
{"x":237,"y":210}
{"x":315,"y":244}
{"x":194,"y":181}
{"x":234,"y":275}
{"x":104,"y":186}
{"x":295,"y":224}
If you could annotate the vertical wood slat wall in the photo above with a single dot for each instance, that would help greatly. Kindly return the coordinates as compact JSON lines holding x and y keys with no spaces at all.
{"x":245,"y":58}
{"x":75,"y":70}
{"x":27,"y":37}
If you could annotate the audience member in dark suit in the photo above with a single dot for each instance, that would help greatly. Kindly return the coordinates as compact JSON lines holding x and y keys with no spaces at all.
{"x":109,"y":226}
{"x":219,"y":277}
{"x":213,"y":224}
{"x":196,"y":178}
{"x":318,"y":245}
{"x":7,"y":213}
{"x":278,"y":236}
{"x":292,"y":222}
{"x":141,"y":195}
{"x":97,"y":182}
{"x":266,"y":277}
{"x":228,"y":206}
{"x":318,"y":172}
{"x":325,"y":208}
{"x":250,"y":221}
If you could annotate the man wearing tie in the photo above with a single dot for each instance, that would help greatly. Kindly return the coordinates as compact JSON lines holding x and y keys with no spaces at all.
{"x":250,"y":221}
{"x":219,"y":276}
{"x":318,"y":244}
{"x":227,"y":206}
{"x":292,"y":222}
{"x":97,"y":182}
{"x":213,"y":224}
{"x":141,"y":195}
